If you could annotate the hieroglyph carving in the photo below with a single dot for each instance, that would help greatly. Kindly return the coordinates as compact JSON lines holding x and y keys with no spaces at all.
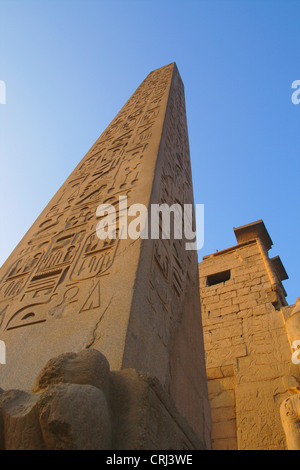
{"x":64,"y":251}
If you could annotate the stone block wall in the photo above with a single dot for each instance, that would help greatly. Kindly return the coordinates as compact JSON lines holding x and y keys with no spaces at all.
{"x":248,"y":354}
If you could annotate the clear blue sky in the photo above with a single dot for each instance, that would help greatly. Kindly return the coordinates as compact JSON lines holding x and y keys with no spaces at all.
{"x":70,"y":65}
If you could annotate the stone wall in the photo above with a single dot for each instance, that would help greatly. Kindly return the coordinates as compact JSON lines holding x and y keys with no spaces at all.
{"x":248,"y":354}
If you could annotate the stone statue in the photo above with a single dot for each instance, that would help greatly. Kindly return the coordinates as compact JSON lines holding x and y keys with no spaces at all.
{"x":290,"y":408}
{"x":290,"y":418}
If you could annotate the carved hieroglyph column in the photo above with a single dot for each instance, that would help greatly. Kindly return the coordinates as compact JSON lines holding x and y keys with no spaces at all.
{"x":137,"y":301}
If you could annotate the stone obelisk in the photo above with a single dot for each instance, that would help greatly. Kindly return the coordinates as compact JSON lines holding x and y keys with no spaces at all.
{"x":63,"y":289}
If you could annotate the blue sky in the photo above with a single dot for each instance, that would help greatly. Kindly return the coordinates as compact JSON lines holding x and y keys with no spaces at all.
{"x":70,"y":65}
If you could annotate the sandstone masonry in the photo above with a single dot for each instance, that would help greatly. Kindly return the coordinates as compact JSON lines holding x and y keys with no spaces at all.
{"x":248,"y":352}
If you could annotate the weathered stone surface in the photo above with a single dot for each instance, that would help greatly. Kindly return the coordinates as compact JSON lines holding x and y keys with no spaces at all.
{"x":134,"y":412}
{"x":74,"y":417}
{"x":290,"y":407}
{"x":290,"y":417}
{"x":137,"y":301}
{"x":145,"y":417}
{"x":88,"y":367}
{"x":293,"y":323}
{"x":20,"y":421}
{"x":248,"y":356}
{"x":2,"y":444}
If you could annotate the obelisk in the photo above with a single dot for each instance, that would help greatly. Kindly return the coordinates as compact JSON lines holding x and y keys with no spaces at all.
{"x":63,"y":289}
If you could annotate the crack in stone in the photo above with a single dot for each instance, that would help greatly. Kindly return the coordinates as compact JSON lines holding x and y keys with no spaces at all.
{"x":97,"y":324}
